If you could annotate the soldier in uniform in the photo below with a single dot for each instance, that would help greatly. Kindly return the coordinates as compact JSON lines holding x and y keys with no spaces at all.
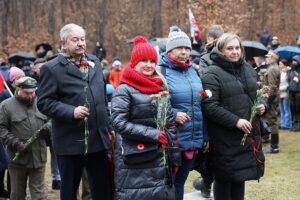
{"x":272,"y":78}
{"x":19,"y":119}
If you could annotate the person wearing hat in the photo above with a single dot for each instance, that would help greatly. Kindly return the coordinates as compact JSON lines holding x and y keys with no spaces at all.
{"x":62,"y":95}
{"x":294,"y":91}
{"x":275,"y":43}
{"x":184,"y":85}
{"x":14,"y":74}
{"x":272,"y":78}
{"x":147,"y":176}
{"x":115,"y":74}
{"x":19,"y":119}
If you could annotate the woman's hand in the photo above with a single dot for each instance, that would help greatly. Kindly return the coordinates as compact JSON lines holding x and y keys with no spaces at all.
{"x":245,"y":125}
{"x":261,"y":109}
{"x":182,"y":117}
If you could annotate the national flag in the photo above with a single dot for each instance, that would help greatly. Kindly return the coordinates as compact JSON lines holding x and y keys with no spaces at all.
{"x":194,"y":28}
{"x":2,"y":86}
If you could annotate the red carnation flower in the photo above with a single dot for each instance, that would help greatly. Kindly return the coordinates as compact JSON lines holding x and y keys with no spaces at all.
{"x":84,"y":63}
{"x":203,"y":93}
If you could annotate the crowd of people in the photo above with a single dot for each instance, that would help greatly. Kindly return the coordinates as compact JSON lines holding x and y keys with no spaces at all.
{"x":136,"y":131}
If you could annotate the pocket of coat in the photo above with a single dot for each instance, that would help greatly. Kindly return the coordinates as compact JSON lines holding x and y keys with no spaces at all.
{"x":43,"y":148}
{"x":41,"y":116}
{"x":18,"y":118}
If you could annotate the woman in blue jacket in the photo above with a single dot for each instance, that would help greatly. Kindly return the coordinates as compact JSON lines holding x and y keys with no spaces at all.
{"x":184,"y":86}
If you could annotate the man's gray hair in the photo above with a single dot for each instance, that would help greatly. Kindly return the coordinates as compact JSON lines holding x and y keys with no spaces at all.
{"x":64,"y":31}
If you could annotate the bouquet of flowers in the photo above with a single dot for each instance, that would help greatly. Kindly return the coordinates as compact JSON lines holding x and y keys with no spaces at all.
{"x":263,"y":92}
{"x":34,"y":136}
{"x":161,"y":101}
{"x":84,"y":68}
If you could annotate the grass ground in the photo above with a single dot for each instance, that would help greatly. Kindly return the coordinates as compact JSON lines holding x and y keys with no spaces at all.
{"x":282,"y":173}
{"x":280,"y":182}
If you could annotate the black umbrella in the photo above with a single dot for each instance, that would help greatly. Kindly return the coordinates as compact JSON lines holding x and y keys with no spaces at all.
{"x":46,"y":46}
{"x":16,"y":57}
{"x":254,"y":49}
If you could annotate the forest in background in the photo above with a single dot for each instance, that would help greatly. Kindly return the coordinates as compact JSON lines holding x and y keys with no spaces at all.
{"x":26,"y":23}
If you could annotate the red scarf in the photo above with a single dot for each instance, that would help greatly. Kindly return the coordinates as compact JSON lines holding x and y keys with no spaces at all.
{"x":183,"y":66}
{"x":145,"y":84}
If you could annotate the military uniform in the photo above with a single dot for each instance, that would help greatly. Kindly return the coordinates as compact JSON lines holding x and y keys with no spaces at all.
{"x":272,"y":78}
{"x":18,"y":122}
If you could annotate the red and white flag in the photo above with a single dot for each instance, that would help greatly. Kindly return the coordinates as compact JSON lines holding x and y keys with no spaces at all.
{"x":194,"y":28}
{"x":2,"y":87}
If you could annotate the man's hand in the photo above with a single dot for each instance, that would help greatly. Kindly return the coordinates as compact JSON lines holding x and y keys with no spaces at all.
{"x":20,"y":146}
{"x":44,"y":133}
{"x":182,"y":117}
{"x":81,"y":112}
{"x":245,"y":125}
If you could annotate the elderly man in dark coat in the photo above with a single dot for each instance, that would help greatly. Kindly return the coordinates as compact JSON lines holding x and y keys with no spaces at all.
{"x":74,"y":97}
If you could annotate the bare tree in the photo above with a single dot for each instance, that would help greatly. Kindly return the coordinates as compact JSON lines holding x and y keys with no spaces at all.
{"x":3,"y":21}
{"x":157,"y":26}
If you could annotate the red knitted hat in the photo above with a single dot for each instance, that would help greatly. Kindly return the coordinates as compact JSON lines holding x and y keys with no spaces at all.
{"x":142,"y":50}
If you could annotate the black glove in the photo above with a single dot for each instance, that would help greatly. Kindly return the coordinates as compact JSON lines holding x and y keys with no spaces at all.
{"x":20,"y":147}
{"x":44,"y":133}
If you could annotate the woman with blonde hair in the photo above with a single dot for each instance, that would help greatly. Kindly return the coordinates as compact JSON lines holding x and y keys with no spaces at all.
{"x":232,"y":82}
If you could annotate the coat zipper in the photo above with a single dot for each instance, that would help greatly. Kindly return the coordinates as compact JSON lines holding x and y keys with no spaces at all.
{"x":192,"y":103}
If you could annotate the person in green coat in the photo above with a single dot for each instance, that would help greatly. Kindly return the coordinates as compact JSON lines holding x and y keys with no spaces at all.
{"x":19,"y":120}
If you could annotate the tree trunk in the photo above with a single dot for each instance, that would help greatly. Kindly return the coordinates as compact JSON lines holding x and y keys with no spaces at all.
{"x":51,"y":18}
{"x":157,"y":26}
{"x":3,"y":21}
{"x":15,"y":17}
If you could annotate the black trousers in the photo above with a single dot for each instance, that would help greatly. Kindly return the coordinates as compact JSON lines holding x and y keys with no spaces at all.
{"x":228,"y":190}
{"x":97,"y":168}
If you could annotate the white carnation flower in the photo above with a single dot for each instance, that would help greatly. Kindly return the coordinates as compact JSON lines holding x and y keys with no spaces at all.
{"x":208,"y":93}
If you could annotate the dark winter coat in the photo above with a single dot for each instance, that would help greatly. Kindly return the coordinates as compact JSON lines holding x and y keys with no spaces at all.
{"x":61,"y":90}
{"x":100,"y":52}
{"x":233,"y":87}
{"x":184,"y":86}
{"x":293,"y":85}
{"x":133,"y":120}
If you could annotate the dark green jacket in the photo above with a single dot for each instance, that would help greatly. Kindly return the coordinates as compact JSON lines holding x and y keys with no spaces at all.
{"x":19,"y":122}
